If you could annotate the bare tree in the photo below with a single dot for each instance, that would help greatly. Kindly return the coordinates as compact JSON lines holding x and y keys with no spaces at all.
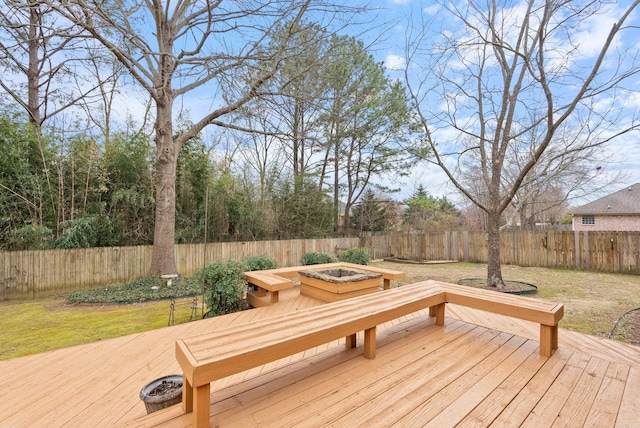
{"x":189,"y":51}
{"x":39,"y":55}
{"x":557,"y":178}
{"x":512,"y":80}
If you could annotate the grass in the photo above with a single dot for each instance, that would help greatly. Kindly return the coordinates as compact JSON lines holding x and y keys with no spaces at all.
{"x":48,"y":324}
{"x":593,"y":303}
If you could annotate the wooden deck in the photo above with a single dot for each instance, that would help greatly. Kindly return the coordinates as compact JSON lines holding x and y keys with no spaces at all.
{"x":479,"y":370}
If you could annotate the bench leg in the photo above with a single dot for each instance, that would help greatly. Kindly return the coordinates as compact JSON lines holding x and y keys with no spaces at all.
{"x":548,"y":339}
{"x":370,"y":343}
{"x":187,"y":396}
{"x":386,"y":284}
{"x":274,"y":296}
{"x":350,"y":341}
{"x":201,"y":406}
{"x":437,"y":312}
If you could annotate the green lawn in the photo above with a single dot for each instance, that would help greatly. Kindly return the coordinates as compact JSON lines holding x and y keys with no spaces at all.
{"x":43,"y":325}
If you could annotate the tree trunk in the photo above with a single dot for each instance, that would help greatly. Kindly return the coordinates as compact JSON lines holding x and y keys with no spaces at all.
{"x":337,"y":226}
{"x":33,"y":77}
{"x":163,"y":259}
{"x":494,"y":272}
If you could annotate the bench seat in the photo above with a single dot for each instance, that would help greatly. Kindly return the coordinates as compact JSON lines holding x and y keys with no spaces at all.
{"x":216,"y":355}
{"x":547,"y":314}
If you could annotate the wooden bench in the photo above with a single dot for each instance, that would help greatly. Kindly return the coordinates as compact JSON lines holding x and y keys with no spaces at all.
{"x":268,"y":281}
{"x":547,"y":314}
{"x":276,"y":280}
{"x":213,"y":356}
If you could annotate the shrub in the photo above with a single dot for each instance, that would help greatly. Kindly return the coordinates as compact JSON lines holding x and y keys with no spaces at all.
{"x":259,"y":263}
{"x":224,"y":286}
{"x":316,"y":258}
{"x":30,"y":237}
{"x":87,"y":232}
{"x":359,"y":256}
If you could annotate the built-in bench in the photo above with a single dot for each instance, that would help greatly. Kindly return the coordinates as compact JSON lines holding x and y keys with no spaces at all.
{"x":276,"y":280}
{"x":213,"y":356}
{"x":267,"y":281}
{"x":547,"y":314}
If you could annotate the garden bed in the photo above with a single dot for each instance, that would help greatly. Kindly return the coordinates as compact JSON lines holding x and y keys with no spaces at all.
{"x":510,"y":287}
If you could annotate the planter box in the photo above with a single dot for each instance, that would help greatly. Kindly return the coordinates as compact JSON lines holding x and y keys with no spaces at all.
{"x":331,"y":285}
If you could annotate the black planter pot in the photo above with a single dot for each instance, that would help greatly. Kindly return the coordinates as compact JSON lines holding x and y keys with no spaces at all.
{"x":154,"y":402}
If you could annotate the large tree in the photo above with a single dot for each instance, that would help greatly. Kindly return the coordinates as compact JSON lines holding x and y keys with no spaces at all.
{"x":518,"y":79}
{"x":175,"y":49}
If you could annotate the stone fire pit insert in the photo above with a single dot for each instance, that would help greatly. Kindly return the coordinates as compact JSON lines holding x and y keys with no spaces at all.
{"x":338,"y":283}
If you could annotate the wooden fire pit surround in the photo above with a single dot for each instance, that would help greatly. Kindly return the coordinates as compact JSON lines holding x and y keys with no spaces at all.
{"x":216,"y":355}
{"x":314,"y":281}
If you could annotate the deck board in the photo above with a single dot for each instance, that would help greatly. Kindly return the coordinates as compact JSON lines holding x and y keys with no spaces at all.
{"x":480,"y":369}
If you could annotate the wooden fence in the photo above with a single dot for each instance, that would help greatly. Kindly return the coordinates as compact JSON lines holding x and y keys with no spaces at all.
{"x":617,"y":252}
{"x":33,"y":274}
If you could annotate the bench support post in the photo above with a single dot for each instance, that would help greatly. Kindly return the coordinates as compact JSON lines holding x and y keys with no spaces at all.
{"x":187,"y":395}
{"x":437,"y":312}
{"x":548,"y":339}
{"x":370,"y":343}
{"x":386,"y":284}
{"x":274,"y":296}
{"x":201,"y":406}
{"x":350,"y":341}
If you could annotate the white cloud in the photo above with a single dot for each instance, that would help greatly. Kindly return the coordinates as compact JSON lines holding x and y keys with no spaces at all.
{"x":432,"y":10}
{"x":395,"y":62}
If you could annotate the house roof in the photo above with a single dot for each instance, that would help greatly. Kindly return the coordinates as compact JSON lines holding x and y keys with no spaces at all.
{"x":625,"y":201}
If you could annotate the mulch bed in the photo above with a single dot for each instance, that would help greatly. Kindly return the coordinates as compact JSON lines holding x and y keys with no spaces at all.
{"x":627,"y":329}
{"x":417,"y":262}
{"x":510,"y":287}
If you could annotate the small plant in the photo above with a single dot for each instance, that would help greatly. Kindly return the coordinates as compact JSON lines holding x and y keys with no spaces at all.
{"x":260,"y":263}
{"x":224,"y":286}
{"x":316,"y":258}
{"x":359,"y":256}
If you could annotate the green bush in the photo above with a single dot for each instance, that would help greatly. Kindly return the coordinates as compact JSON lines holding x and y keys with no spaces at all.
{"x":259,"y":263}
{"x":87,"y":232}
{"x":224,"y":286}
{"x":316,"y":258}
{"x":359,"y":256}
{"x":29,"y":237}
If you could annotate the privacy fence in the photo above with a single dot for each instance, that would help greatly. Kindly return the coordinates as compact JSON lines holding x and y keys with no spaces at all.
{"x":33,"y":274}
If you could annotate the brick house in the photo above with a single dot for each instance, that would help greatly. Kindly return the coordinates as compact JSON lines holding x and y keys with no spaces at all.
{"x":619,"y":211}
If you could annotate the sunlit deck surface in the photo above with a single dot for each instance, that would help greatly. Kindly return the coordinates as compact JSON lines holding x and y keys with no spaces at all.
{"x":480,"y":369}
